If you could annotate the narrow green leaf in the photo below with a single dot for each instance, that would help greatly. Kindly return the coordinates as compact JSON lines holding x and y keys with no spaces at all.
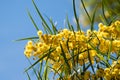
{"x":73,"y":30}
{"x":93,"y":19}
{"x":76,"y":74}
{"x":65,"y":59}
{"x":111,"y":10}
{"x":53,"y":26}
{"x":40,"y":69}
{"x":102,"y":63}
{"x":29,"y":38}
{"x":86,"y":10}
{"x":40,"y":78}
{"x":102,"y":58}
{"x":83,"y":65}
{"x":113,"y":58}
{"x":68,"y":23}
{"x":45,"y":29}
{"x":45,"y":74}
{"x":67,"y":45}
{"x":102,"y":19}
{"x":41,"y":17}
{"x":86,"y":68}
{"x":28,"y":76}
{"x":48,"y":56}
{"x":33,"y":69}
{"x":90,"y":62}
{"x":33,"y":21}
{"x":76,"y":18}
{"x":35,"y":63}
{"x":56,"y":71}
{"x":73,"y":58}
{"x":110,"y":49}
{"x":103,"y":12}
{"x":112,"y":19}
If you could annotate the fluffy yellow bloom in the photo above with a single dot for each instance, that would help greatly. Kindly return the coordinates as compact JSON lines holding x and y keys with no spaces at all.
{"x":75,"y":48}
{"x":39,"y":33}
{"x":107,"y":70}
{"x":81,"y":56}
{"x":28,"y":49}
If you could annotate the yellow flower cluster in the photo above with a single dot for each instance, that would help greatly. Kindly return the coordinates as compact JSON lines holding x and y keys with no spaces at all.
{"x":113,"y":72}
{"x":68,"y":48}
{"x":110,"y":73}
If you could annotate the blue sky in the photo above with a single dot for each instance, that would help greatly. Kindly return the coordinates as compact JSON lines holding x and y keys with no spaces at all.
{"x":15,"y":24}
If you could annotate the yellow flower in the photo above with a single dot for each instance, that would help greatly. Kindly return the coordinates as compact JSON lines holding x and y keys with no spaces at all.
{"x":27,"y":53}
{"x":78,"y":43}
{"x":93,"y":53}
{"x":101,"y":27}
{"x":58,"y":49}
{"x":81,"y":56}
{"x":117,"y":24}
{"x":39,"y":33}
{"x":107,"y":70}
{"x":30,"y":43}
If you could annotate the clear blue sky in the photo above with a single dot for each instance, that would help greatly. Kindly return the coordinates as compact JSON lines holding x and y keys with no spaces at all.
{"x":15,"y":24}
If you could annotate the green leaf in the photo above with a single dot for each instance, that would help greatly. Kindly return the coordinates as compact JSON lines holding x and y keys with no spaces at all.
{"x":112,"y":19}
{"x":29,"y":38}
{"x":40,"y":69}
{"x":76,"y":74}
{"x":68,"y":23}
{"x":34,"y":70}
{"x":56,"y":71}
{"x":103,"y":12}
{"x":76,"y":18}
{"x":110,"y":49}
{"x":73,"y":30}
{"x":73,"y":58}
{"x":90,"y":62}
{"x":33,"y":21}
{"x":93,"y":19}
{"x":83,"y":65}
{"x":28,"y":76}
{"x":86,"y":10}
{"x":45,"y":29}
{"x":113,"y":12}
{"x":45,"y":74}
{"x":86,"y":68}
{"x":55,"y":31}
{"x":65,"y":59}
{"x":41,"y":17}
{"x":102,"y":19}
{"x":102,"y":58}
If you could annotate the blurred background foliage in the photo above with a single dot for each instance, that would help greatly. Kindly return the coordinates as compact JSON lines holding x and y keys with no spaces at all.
{"x":107,"y":11}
